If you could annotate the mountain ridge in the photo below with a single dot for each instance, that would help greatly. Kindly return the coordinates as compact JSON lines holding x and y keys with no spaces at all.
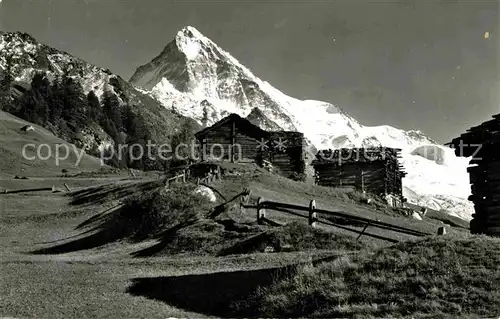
{"x":27,"y":56}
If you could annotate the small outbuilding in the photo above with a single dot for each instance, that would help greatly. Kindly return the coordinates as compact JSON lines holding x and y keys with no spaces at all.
{"x":482,"y":143}
{"x":371,"y":170}
{"x":27,"y":128}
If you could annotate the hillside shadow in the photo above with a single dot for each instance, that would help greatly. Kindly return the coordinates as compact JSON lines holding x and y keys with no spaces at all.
{"x":210,"y":294}
{"x":109,"y":226}
{"x":117,"y":223}
{"x":103,"y":193}
{"x":125,"y":221}
{"x":165,"y":238}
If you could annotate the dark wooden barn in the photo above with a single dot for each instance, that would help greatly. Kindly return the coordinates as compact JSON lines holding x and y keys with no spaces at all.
{"x":236,"y":139}
{"x":373,"y":170}
{"x":482,"y":144}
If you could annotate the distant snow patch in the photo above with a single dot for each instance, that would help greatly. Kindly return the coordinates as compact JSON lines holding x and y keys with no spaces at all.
{"x":332,"y":109}
{"x":433,"y":153}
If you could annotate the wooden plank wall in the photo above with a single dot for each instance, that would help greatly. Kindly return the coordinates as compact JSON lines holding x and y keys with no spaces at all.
{"x":380,"y":168}
{"x":220,"y":137}
{"x":482,"y":143}
{"x":246,"y":148}
{"x":485,"y":188}
{"x":371,"y":176}
{"x":289,"y":160}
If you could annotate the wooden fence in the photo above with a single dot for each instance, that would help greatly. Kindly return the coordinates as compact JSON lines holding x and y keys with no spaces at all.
{"x":210,"y":178}
{"x":53,"y":189}
{"x":314,"y":219}
{"x":180,"y":177}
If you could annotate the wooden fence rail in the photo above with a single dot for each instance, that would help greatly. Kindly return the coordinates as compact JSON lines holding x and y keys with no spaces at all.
{"x":168,"y":180}
{"x":26,"y":190}
{"x":363,"y":232}
{"x":273,"y":205}
{"x":313,"y":219}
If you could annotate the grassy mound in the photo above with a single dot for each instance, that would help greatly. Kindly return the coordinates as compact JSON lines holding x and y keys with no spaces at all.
{"x":438,"y":276}
{"x":153,"y":212}
{"x":293,"y":237}
{"x":180,"y":219}
{"x":150,"y":213}
{"x":204,"y":237}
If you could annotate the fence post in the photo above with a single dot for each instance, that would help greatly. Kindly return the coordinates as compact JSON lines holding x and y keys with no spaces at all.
{"x":423,"y":211}
{"x":246,"y":196}
{"x":261,"y":212}
{"x":363,"y":231}
{"x":184,"y":177}
{"x":362,"y":181}
{"x":312,"y":213}
{"x":218,"y":173}
{"x":441,"y":231}
{"x":132,"y":173}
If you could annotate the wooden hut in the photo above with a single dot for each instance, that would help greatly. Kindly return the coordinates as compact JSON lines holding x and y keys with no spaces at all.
{"x":236,"y":139}
{"x":286,"y":152}
{"x":482,"y":143}
{"x":372,"y":170}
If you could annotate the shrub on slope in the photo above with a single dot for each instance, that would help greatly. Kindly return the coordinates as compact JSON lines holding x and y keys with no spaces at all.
{"x":155,"y":211}
{"x":297,"y":236}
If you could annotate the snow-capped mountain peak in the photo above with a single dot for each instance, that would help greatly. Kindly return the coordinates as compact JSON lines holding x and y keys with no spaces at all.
{"x":197,"y":78}
{"x":192,"y":69}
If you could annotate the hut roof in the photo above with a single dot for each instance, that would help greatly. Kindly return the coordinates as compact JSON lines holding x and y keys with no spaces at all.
{"x":248,"y":126}
{"x":242,"y":123}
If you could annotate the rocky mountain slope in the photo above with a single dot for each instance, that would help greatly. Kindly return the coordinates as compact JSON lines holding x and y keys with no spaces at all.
{"x":27,"y":56}
{"x":195,"y":77}
{"x":258,"y":118}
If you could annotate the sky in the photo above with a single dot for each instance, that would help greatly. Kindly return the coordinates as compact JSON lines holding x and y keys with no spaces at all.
{"x":412,"y":64}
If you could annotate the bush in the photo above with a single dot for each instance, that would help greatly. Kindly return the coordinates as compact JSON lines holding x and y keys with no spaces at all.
{"x":153,"y":212}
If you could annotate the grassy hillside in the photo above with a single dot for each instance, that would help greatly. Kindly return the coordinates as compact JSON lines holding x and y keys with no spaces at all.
{"x":12,"y":141}
{"x":96,"y":282}
{"x":436,"y":277}
{"x":276,"y":188}
{"x":73,"y":255}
